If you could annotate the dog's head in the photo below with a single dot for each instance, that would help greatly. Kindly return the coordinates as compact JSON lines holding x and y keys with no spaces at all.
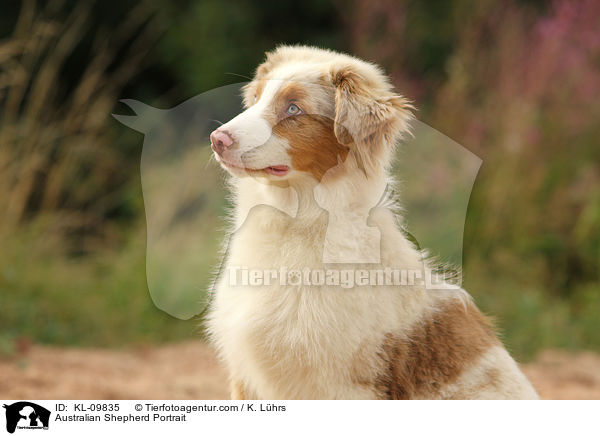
{"x":309,"y":110}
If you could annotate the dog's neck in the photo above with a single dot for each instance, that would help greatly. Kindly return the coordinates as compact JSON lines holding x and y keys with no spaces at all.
{"x":347,"y":195}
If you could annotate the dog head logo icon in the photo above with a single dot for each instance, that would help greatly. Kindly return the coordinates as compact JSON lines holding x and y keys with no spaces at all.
{"x":26,"y":415}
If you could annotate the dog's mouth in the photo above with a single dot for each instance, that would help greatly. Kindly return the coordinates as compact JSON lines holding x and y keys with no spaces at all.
{"x":274,"y":170}
{"x":277,"y":170}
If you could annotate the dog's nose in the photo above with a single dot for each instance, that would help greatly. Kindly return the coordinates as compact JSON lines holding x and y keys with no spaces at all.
{"x":219,"y":140}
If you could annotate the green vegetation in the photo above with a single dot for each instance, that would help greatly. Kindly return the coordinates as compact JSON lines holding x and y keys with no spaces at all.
{"x":101,"y":300}
{"x":514,"y":82}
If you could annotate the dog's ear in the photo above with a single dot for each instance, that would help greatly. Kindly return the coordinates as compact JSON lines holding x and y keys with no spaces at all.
{"x":369,"y":117}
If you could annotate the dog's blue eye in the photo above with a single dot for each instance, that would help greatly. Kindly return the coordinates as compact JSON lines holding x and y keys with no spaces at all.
{"x":293,"y":109}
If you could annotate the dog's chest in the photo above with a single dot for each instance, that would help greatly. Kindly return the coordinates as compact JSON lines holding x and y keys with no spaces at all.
{"x":291,"y":342}
{"x":288,"y":331}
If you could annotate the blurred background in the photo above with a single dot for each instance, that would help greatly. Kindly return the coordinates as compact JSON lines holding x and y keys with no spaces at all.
{"x":515,"y":82}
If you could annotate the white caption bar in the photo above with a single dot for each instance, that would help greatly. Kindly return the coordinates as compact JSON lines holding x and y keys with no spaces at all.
{"x":23,"y":417}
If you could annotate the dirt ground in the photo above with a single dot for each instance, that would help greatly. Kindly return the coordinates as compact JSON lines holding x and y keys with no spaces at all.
{"x":190,"y":371}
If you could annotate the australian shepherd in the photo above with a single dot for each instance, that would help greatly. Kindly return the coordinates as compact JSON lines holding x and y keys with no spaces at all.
{"x":309,"y":159}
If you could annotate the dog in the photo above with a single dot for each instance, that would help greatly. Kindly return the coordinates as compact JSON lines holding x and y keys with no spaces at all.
{"x":309,"y":159}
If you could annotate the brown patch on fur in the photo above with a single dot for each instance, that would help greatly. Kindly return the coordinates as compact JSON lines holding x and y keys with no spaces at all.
{"x":288,"y":93}
{"x":237,"y":391}
{"x":314,"y":146}
{"x":260,"y":87}
{"x":368,"y":116}
{"x":252,"y":91}
{"x":434,"y":353}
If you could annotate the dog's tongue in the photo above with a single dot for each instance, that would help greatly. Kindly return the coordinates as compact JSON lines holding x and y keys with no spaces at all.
{"x":278,"y":170}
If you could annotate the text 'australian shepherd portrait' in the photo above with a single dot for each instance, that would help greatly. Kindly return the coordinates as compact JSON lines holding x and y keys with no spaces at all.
{"x":309,"y":162}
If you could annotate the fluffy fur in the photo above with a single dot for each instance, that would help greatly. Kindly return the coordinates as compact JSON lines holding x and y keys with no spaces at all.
{"x":309,"y":159}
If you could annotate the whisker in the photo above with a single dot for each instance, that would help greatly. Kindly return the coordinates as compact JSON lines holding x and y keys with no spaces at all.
{"x":217,"y":121}
{"x":240,"y":75}
{"x":209,"y":160}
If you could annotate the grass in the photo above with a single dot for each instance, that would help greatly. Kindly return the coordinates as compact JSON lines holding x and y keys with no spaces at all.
{"x":97,"y":301}
{"x":529,"y":318}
